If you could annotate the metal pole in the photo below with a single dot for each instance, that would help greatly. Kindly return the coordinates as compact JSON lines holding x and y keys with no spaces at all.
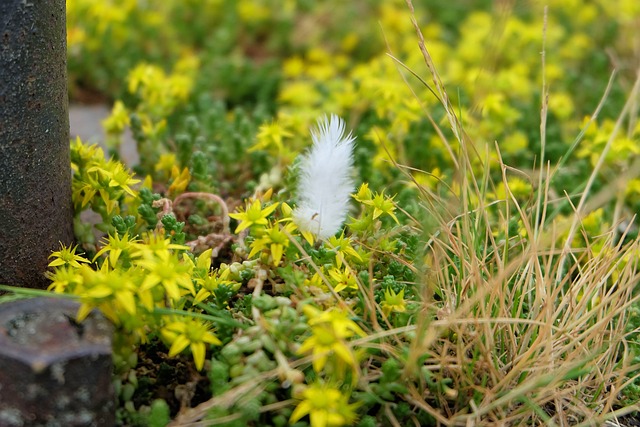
{"x":35,"y":178}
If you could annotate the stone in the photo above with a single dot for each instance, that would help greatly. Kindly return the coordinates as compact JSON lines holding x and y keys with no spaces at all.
{"x":53,"y":370}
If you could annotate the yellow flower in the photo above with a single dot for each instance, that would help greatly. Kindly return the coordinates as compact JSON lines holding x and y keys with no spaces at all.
{"x":208,"y":281}
{"x":633,"y":188}
{"x":118,"y":120}
{"x":339,"y":320}
{"x":594,"y":223}
{"x":300,"y":93}
{"x":179,"y":87}
{"x":344,"y":249}
{"x":293,"y":67}
{"x":172,"y":274}
{"x":151,"y":128}
{"x":253,"y":214}
{"x":202,"y":265}
{"x":275,"y":239}
{"x":166,"y":163}
{"x":192,"y":333}
{"x":364,"y":194}
{"x":155,"y":245}
{"x":382,"y":204}
{"x":117,"y":175}
{"x":160,"y":93}
{"x":180,"y":180}
{"x":142,"y":75}
{"x":67,"y":256}
{"x":116,"y":246}
{"x":330,"y":330}
{"x":112,"y":291}
{"x":520,"y":188}
{"x":270,"y":135}
{"x":326,"y":406}
{"x":82,"y":154}
{"x":122,"y":178}
{"x":84,"y":191}
{"x":393,"y":302}
{"x":343,"y":279}
{"x":212,"y":282}
{"x":253,"y":12}
{"x":515,"y":142}
{"x":64,"y":279}
{"x":313,"y":282}
{"x":75,"y":38}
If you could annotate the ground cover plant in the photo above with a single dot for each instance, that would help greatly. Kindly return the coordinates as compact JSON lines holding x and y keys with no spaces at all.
{"x":426,"y":217}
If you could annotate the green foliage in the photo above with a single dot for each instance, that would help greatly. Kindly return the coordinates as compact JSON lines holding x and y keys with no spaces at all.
{"x":473,"y":282}
{"x":173,"y":229}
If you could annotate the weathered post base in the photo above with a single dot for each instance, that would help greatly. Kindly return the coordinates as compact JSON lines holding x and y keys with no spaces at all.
{"x":54,"y":372}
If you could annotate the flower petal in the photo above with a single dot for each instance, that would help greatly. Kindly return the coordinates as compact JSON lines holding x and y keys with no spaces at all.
{"x":181,"y":342}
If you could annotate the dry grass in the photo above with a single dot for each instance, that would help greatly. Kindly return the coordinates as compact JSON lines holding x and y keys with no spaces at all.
{"x":528,"y":328}
{"x":515,"y":340}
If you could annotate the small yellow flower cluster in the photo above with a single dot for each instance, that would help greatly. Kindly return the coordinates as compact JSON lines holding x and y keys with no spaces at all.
{"x":591,"y":227}
{"x":271,"y":138}
{"x":393,"y":302}
{"x":326,"y":406}
{"x":118,"y":121}
{"x":99,"y":184}
{"x":341,"y":272}
{"x":623,"y":148}
{"x":271,"y":238}
{"x":191,"y":333}
{"x":136,"y":277}
{"x":159,"y":95}
{"x":109,"y":18}
{"x":520,"y":188}
{"x":331,"y":331}
{"x":374,"y":206}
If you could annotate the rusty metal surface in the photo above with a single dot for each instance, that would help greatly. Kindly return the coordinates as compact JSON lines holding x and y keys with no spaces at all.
{"x":35,"y":178}
{"x":54,"y":371}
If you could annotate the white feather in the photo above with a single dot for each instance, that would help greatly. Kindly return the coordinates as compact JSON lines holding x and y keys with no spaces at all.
{"x":325,"y":183}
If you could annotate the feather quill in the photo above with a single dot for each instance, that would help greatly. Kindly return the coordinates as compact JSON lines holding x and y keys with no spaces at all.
{"x":325,"y":182}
